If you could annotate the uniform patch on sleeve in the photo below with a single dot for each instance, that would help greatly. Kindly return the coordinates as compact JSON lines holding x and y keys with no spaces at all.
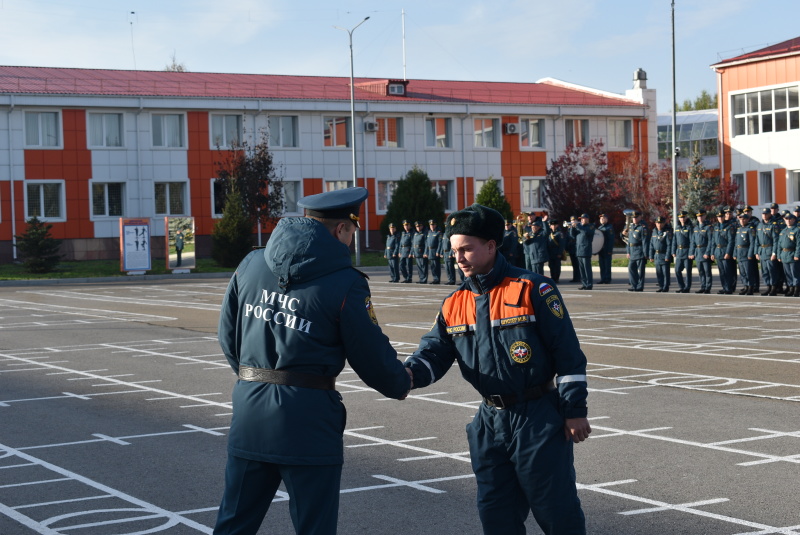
{"x":555,"y":306}
{"x":520,"y":352}
{"x":545,"y":289}
{"x":370,"y":310}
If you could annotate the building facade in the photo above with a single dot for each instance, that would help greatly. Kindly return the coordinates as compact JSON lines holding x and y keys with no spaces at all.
{"x":759,"y":123}
{"x":82,"y":148}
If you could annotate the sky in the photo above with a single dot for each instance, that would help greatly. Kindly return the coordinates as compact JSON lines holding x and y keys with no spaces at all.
{"x":593,"y":43}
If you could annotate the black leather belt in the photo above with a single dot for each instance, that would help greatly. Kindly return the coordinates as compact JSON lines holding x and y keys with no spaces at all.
{"x":503,"y":402}
{"x":283,"y":377}
{"x":682,"y":247}
{"x":785,"y":250}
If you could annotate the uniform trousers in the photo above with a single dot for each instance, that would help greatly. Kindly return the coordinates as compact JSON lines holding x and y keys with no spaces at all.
{"x":394,"y":266}
{"x":704,"y":272}
{"x":450,"y":268}
{"x":727,"y":273}
{"x":406,"y":268}
{"x":604,"y":259}
{"x":576,"y":271}
{"x":251,"y":485}
{"x":749,"y":276}
{"x":422,"y":269}
{"x":529,"y":262}
{"x":522,"y":464}
{"x":435,"y":264}
{"x":555,"y":269}
{"x":585,"y":267}
{"x":682,"y":264}
{"x":635,"y":277}
{"x":768,"y":268}
{"x":537,"y":267}
{"x":663,"y":275}
{"x":791,"y":272}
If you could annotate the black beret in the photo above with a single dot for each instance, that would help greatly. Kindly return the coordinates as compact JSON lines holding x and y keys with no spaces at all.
{"x":477,"y":220}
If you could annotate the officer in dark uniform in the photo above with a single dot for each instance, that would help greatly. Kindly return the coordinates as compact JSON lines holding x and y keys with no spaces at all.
{"x":571,"y":249}
{"x":583,"y":232}
{"x":700,"y":251}
{"x":292,"y":315}
{"x":681,"y":243}
{"x":753,"y":223}
{"x":510,"y":243}
{"x":722,"y":242}
{"x":788,"y":252}
{"x":406,"y":260}
{"x":780,"y":224}
{"x":392,"y":253}
{"x":555,"y":249}
{"x":536,"y":245}
{"x":447,"y":258}
{"x":527,"y":244}
{"x":660,"y":245}
{"x":433,"y":251}
{"x":521,"y":438}
{"x":418,"y":252}
{"x":607,"y":251}
{"x":766,"y":237}
{"x":179,"y":247}
{"x":636,"y":251}
{"x":744,"y":252}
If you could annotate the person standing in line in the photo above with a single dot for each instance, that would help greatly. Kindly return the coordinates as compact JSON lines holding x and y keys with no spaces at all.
{"x":744,"y":252}
{"x":780,"y":224}
{"x":532,"y":379}
{"x":659,"y":249}
{"x":433,"y":251}
{"x":607,"y":251}
{"x":787,"y":251}
{"x":766,"y":237}
{"x":392,"y":253}
{"x":583,"y":232}
{"x":510,"y":243}
{"x":555,"y":250}
{"x":447,"y":258}
{"x":700,"y":251}
{"x":418,"y":252}
{"x":406,"y":260}
{"x":636,"y":251}
{"x":537,"y":248}
{"x":681,"y":244}
{"x":722,"y":253}
{"x":293,"y":314}
{"x":571,"y":249}
{"x":179,"y":247}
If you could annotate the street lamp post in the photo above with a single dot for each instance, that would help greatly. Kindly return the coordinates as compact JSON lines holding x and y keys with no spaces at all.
{"x":674,"y":137}
{"x":353,"y":123}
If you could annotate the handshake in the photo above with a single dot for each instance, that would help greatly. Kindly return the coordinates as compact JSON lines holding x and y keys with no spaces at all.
{"x":411,"y":386}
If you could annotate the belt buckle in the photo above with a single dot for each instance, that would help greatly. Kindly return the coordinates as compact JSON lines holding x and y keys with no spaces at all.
{"x":497,"y":401}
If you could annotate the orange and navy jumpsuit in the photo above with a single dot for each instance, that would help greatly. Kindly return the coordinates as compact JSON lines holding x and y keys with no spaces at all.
{"x":509,"y":332}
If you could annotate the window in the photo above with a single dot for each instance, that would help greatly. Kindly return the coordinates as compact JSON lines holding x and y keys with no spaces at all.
{"x":480,"y":182}
{"x":42,"y":129}
{"x":765,"y":187}
{"x":336,"y":132}
{"x":438,"y":132}
{"x":693,"y":138}
{"x":283,"y":131}
{"x":766,"y":111}
{"x":385,"y":191}
{"x":170,"y":198}
{"x":397,"y":89}
{"x":486,"y":133}
{"x":332,"y":185}
{"x":218,"y":198}
{"x":226,"y":130}
{"x":446,"y":191}
{"x":532,"y":133}
{"x":107,"y":199}
{"x":794,"y":186}
{"x":168,"y":130}
{"x":105,"y":130}
{"x":292,"y":192}
{"x":738,"y":180}
{"x":620,"y":133}
{"x":576,"y":131}
{"x":532,"y":193}
{"x":45,"y":200}
{"x":390,"y":132}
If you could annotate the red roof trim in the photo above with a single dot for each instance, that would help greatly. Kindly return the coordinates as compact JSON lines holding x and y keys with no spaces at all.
{"x":789,"y":47}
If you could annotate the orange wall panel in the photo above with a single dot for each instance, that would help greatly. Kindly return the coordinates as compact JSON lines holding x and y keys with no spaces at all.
{"x":751,"y":179}
{"x":779,"y":176}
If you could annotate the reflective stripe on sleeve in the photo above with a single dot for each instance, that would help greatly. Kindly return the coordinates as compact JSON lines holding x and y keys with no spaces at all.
{"x":570,"y":379}
{"x":427,"y":365}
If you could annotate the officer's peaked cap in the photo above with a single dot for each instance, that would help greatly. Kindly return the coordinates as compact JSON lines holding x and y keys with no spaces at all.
{"x":537,"y":223}
{"x":336,"y":204}
{"x":477,"y":220}
{"x":766,"y":211}
{"x":584,"y":216}
{"x":660,"y":219}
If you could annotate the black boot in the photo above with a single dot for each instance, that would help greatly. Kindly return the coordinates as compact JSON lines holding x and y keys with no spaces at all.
{"x":773,"y":290}
{"x":768,"y":291}
{"x":744,"y":290}
{"x":749,"y":290}
{"x":790,"y":291}
{"x":797,"y":291}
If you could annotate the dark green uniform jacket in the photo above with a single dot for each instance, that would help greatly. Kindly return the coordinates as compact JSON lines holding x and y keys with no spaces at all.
{"x":299,"y":305}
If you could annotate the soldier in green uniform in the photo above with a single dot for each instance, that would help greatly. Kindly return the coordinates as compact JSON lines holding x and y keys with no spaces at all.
{"x":766,"y":237}
{"x":293,"y":314}
{"x":700,"y":251}
{"x":433,"y":251}
{"x":406,"y":260}
{"x":392,"y":253}
{"x":583,"y":232}
{"x":722,"y":253}
{"x":788,"y":252}
{"x":744,"y":252}
{"x":636,"y":251}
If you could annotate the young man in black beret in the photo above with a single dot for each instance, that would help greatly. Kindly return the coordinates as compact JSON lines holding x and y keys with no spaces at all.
{"x":515,"y":343}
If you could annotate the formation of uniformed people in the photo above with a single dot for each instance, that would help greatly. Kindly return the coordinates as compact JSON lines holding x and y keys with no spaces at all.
{"x":427,"y":250}
{"x":754,"y":254}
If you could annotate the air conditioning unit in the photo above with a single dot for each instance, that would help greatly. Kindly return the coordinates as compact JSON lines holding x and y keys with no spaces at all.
{"x":511,"y":128}
{"x":370,"y":126}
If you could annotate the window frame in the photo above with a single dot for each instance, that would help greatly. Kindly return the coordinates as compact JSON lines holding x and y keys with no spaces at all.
{"x":751,"y":123}
{"x":186,"y":198}
{"x":497,"y":143}
{"x":59,"y":129}
{"x":448,"y":134}
{"x":450,"y":205}
{"x":347,"y":133}
{"x":295,"y":121}
{"x":383,"y":130}
{"x":741,"y":183}
{"x":627,"y":143}
{"x":299,"y":195}
{"x":106,"y":216}
{"x":226,"y":144}
{"x":584,"y":129}
{"x":62,"y":200}
{"x":793,"y":189}
{"x":380,"y":193}
{"x":523,"y":201}
{"x":766,"y":181}
{"x":525,"y":129}
{"x":90,"y":130}
{"x":183,"y":131}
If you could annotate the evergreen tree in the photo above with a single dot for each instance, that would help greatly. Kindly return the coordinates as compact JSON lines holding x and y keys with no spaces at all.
{"x":697,"y":191}
{"x":413,"y":199}
{"x":491,"y":196}
{"x":38,"y":249}
{"x":231,"y":238}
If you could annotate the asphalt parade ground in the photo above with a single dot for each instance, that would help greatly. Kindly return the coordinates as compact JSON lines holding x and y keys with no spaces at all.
{"x":115,"y":407}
